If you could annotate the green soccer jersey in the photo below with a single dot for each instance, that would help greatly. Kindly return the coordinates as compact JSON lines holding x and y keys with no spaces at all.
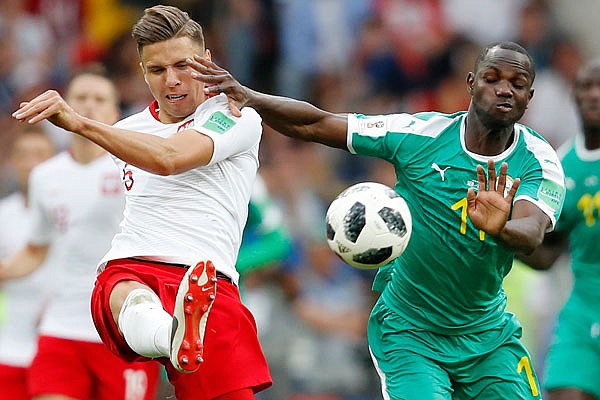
{"x":579,"y":219}
{"x":449,"y":279}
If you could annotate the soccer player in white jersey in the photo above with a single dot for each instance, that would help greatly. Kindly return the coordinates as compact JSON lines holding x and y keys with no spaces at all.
{"x":20,"y":311}
{"x":440,"y":327}
{"x":167,"y":287}
{"x":77,"y":205}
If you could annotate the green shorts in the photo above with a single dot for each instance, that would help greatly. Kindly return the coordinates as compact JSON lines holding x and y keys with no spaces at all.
{"x":415,"y":364}
{"x":573,"y":359}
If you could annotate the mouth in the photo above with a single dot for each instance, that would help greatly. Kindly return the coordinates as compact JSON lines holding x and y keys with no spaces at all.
{"x":504,"y":107}
{"x":176,"y":97}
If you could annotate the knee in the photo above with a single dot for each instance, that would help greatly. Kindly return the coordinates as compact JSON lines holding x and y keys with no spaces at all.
{"x":119,"y":294}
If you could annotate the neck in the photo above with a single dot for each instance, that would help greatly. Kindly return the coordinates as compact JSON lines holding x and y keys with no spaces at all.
{"x":84,"y":152}
{"x":486,"y":141}
{"x":592,"y":138}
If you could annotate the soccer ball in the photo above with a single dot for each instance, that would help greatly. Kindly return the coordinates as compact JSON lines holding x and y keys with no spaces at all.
{"x":368,"y":225}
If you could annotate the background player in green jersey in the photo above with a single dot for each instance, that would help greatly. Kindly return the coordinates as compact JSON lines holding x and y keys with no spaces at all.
{"x":572,"y":369}
{"x":480,"y":187}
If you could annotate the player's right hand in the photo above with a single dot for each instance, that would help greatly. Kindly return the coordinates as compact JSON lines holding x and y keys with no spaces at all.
{"x":51,"y":106}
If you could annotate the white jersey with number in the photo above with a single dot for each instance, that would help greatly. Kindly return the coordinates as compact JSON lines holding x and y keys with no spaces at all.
{"x":76,"y":209}
{"x":21,"y":300}
{"x":198,"y":214}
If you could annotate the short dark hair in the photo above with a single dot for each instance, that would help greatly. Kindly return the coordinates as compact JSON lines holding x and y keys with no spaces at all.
{"x":507,"y":46}
{"x":160,"y":23}
{"x":98,"y":70}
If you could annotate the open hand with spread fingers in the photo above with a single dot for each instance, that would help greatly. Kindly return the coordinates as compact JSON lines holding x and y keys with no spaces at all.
{"x":218,"y":80}
{"x":489,"y":207}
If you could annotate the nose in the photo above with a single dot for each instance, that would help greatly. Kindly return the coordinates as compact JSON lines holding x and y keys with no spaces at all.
{"x":503,"y":89}
{"x":172,"y":78}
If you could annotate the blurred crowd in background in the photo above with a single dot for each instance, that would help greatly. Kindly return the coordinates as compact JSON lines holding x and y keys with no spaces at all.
{"x":367,"y":56}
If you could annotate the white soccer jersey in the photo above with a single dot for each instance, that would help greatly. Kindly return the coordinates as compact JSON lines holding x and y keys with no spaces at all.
{"x":77,"y":209}
{"x":198,"y":214}
{"x":22,"y":300}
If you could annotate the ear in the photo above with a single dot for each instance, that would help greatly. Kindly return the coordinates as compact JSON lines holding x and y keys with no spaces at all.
{"x":470,"y":82}
{"x":143,"y":72}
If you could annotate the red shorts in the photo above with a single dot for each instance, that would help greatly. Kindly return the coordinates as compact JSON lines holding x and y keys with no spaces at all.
{"x":233,"y":358}
{"x":87,"y":370}
{"x":13,"y":382}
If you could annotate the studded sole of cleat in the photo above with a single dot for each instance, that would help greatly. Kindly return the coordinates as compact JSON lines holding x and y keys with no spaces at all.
{"x":195,"y":296}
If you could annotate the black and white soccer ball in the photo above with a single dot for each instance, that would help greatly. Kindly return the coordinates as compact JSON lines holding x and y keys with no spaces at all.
{"x":368,"y":225}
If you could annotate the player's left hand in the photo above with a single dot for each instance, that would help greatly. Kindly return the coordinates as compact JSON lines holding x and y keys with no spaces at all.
{"x":51,"y":106}
{"x":219,"y":80}
{"x":489,"y":207}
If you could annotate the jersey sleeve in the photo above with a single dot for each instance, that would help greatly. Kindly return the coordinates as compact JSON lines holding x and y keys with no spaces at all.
{"x":40,"y":232}
{"x":231,"y":135}
{"x":371,"y":135}
{"x":544,"y":183}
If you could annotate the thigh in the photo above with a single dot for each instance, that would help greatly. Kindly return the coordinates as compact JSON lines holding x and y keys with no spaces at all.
{"x":404,"y":374}
{"x":504,"y":373}
{"x":58,"y":369}
{"x":233,"y":358}
{"x":573,"y":360}
{"x":13,"y":382}
{"x":115,"y":378}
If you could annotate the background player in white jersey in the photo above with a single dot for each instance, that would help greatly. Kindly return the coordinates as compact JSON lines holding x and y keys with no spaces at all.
{"x":439,"y":329}
{"x":77,"y":204}
{"x":188,"y":166}
{"x":21,"y":301}
{"x":572,"y":370}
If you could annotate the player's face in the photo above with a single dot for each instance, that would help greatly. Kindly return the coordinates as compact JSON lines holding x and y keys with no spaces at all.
{"x":501,"y":88}
{"x":94,"y":97}
{"x":168,"y":77}
{"x":587,"y":95}
{"x":29,"y":150}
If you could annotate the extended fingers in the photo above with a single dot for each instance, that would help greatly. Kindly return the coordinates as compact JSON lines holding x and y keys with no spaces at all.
{"x":481,"y":179}
{"x":513,"y":189}
{"x":502,"y":178}
{"x":491,"y":175}
{"x":38,"y":109}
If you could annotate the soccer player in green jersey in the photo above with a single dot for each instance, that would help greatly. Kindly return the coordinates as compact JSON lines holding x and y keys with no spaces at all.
{"x":572,"y":370}
{"x":480,"y":187}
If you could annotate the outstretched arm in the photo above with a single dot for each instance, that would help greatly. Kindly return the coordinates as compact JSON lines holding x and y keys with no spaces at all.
{"x":24,"y":262}
{"x":489,"y":209}
{"x":294,"y":118}
{"x":163,"y":156}
{"x":545,"y":255}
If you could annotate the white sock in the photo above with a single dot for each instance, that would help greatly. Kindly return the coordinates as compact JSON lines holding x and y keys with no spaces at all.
{"x":145,"y":325}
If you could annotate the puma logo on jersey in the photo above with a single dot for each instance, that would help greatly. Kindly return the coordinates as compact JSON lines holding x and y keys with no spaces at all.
{"x":441,"y":171}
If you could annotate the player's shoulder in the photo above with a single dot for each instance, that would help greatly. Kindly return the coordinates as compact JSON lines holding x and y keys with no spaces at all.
{"x":219,"y":104}
{"x":214,"y":114}
{"x":53,"y":165}
{"x":424,"y":124}
{"x":139,"y":119}
{"x":10,"y":202}
{"x":534,"y":141}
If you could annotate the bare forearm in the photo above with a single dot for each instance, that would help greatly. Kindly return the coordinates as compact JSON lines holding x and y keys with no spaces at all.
{"x":148,"y":152}
{"x":522,"y":235}
{"x":299,"y":119}
{"x":545,"y":255}
{"x":23,"y":262}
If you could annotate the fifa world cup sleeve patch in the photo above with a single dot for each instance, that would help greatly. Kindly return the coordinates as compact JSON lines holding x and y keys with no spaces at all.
{"x":552,"y":194}
{"x":219,"y":123}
